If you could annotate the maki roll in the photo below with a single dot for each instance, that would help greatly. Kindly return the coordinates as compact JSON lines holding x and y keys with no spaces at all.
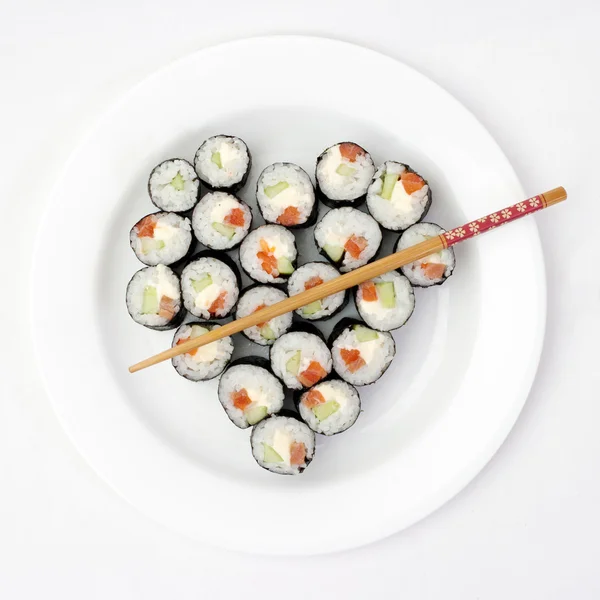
{"x":205,"y":362}
{"x":221,"y":221}
{"x":161,"y":238}
{"x":258,"y":297}
{"x":360,"y":355}
{"x":330,"y":407}
{"x":300,"y":359}
{"x":286,"y":196}
{"x":223,"y":163}
{"x":308,"y":276}
{"x":210,"y":287}
{"x":348,"y":237}
{"x":249,"y":392}
{"x":269,"y":253}
{"x":398,"y":197}
{"x":386,"y":302}
{"x":283,"y":445}
{"x":433,"y":269}
{"x":343,"y":174}
{"x":174,"y":186}
{"x":154,"y":298}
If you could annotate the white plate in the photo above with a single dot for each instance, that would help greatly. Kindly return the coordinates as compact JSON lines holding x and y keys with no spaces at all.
{"x":465,"y":361}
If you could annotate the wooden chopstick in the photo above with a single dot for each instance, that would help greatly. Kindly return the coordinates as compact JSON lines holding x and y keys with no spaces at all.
{"x":369,"y":271}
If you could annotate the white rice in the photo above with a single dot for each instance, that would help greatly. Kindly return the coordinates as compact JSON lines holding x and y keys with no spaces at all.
{"x":339,"y":224}
{"x":277,"y":237}
{"x":262,"y":387}
{"x":414,"y":271}
{"x":402,"y":210}
{"x":162,"y":181}
{"x":172,"y":230}
{"x":299,"y":193}
{"x":166,"y":283}
{"x":298,"y":279}
{"x":208,"y":361}
{"x":385,"y":319}
{"x":214,"y":208}
{"x":338,"y":187}
{"x":235,"y":161}
{"x":338,"y":391}
{"x":223,"y":280}
{"x":251,"y":300}
{"x":378,"y":355}
{"x":279,"y":432}
{"x":311,"y":347}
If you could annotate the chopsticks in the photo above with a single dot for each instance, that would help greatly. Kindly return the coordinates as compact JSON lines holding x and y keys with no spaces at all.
{"x":369,"y":271}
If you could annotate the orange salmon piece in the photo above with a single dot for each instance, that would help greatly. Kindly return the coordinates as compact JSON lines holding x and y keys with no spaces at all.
{"x":290,"y":216}
{"x":235,"y":218}
{"x":312,"y":375}
{"x":191,"y":352}
{"x":369,"y":291}
{"x":240,"y":399}
{"x":350,"y":151}
{"x":313,"y":282}
{"x":297,"y":453}
{"x":166,"y":308}
{"x":411,"y":182}
{"x":354,"y":361}
{"x":313,"y":398}
{"x":218,"y":303}
{"x":355,"y":245}
{"x":433,"y":270}
{"x":146,"y":227}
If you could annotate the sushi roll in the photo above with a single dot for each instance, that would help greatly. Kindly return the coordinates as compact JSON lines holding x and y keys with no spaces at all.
{"x":300,"y":359}
{"x":223,"y":163}
{"x":348,"y":238}
{"x":343,"y":174}
{"x":330,"y":407}
{"x":283,"y":445}
{"x":249,"y":392}
{"x":154,"y":298}
{"x":360,"y":354}
{"x":386,"y":302}
{"x":398,"y":197}
{"x":269,"y":253}
{"x":255,"y":298}
{"x":210,"y":286}
{"x":308,"y":276}
{"x":205,"y":362}
{"x":221,"y":221}
{"x":433,"y":269}
{"x":161,"y":238}
{"x":174,"y":186}
{"x":286,"y":196}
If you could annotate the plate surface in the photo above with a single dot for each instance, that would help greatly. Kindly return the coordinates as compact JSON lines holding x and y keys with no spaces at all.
{"x":466,"y":359}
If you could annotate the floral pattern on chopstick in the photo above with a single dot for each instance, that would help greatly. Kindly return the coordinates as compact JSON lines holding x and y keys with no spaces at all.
{"x":506,"y":215}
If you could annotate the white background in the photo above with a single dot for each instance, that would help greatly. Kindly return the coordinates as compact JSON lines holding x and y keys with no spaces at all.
{"x":529,"y":525}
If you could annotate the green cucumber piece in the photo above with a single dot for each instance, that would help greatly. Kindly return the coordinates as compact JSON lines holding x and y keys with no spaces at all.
{"x":150,"y":245}
{"x":200,"y":284}
{"x":255,"y":414}
{"x":272,"y":190}
{"x":216,"y":158}
{"x":197,"y":331}
{"x":312,"y":308}
{"x":293,"y":364}
{"x":364,"y":334}
{"x":386,"y":294}
{"x":270,"y":455}
{"x":345,"y":171}
{"x":150,"y":303}
{"x":389,"y":181}
{"x":225,"y":230}
{"x":178,"y":182}
{"x":323,"y":411}
{"x":267,"y":333}
{"x":335,"y":253}
{"x":285,"y":266}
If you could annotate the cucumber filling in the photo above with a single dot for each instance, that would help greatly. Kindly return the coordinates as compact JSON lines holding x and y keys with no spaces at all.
{"x":272,"y":190}
{"x":216,"y":158}
{"x":178,"y":182}
{"x":292,"y":366}
{"x":150,"y":303}
{"x":364,"y":334}
{"x":389,"y":181}
{"x":201,"y":284}
{"x":224,"y":230}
